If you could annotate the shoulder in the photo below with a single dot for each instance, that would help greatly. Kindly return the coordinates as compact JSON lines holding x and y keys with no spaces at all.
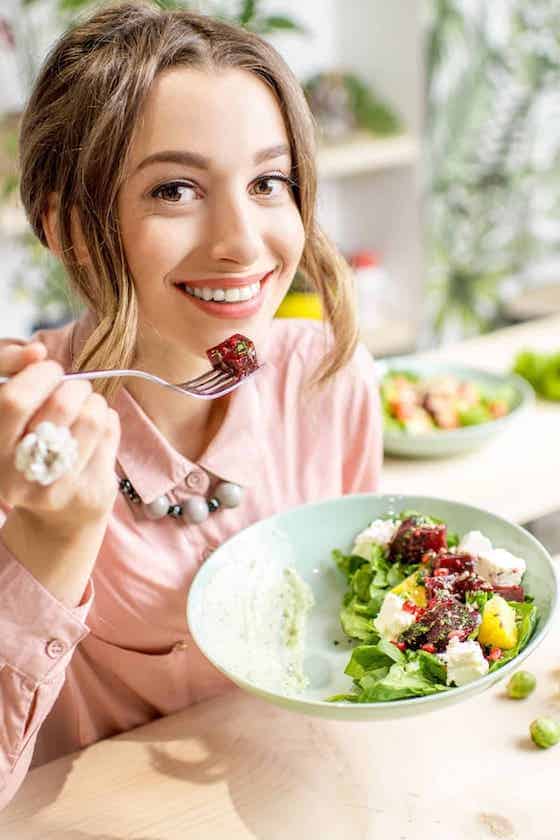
{"x":61,"y":341}
{"x":57,"y":341}
{"x":300,"y":345}
{"x":293,"y":340}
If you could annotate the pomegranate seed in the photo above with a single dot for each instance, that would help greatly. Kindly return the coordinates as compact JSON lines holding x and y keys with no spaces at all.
{"x":400,"y":645}
{"x":441,"y":571}
{"x":429,"y":647}
{"x":409,"y":607}
{"x":494,"y":655}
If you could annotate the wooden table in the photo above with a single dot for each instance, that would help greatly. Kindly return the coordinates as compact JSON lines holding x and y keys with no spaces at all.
{"x":236,"y":767}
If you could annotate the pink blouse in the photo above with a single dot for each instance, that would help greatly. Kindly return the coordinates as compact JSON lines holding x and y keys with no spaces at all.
{"x":69,"y":677}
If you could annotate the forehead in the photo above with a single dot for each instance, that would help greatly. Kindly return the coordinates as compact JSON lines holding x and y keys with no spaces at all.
{"x":226,"y":115}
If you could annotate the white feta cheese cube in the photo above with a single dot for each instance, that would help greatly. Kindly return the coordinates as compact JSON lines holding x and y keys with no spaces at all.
{"x":475,"y":543}
{"x":380,"y":532}
{"x":392,"y":619}
{"x":501,"y":568}
{"x":465,"y":662}
{"x":496,"y":565}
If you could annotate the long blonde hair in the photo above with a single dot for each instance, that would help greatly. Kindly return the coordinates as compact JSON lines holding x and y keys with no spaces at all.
{"x":76,"y":134}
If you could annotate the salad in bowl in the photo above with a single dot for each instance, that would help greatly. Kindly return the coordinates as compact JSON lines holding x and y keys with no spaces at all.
{"x":433,"y":409}
{"x":371,"y":606}
{"x":431,"y":611}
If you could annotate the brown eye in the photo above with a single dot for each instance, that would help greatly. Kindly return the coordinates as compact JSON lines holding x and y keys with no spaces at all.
{"x":174,"y":192}
{"x":271,"y":186}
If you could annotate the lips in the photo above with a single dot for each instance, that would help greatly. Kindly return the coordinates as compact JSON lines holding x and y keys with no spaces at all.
{"x":226,"y":282}
{"x":227,"y":297}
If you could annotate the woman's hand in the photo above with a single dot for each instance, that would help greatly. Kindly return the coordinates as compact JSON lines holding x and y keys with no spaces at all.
{"x":36,"y":394}
{"x":64,"y":522}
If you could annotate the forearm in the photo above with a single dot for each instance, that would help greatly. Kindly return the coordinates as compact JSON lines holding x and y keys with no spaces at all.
{"x":60,"y":560}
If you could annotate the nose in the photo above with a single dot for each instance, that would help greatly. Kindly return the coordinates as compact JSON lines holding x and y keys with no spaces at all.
{"x":234,"y":233}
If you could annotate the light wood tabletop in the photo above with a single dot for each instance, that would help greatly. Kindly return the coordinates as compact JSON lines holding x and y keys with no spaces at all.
{"x":236,"y":767}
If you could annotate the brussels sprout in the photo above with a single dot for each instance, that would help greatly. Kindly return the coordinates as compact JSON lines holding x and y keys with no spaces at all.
{"x":520,"y":685}
{"x":545,"y":732}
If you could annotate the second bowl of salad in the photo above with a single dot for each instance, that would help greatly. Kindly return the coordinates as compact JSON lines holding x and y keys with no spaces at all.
{"x":437,"y":409}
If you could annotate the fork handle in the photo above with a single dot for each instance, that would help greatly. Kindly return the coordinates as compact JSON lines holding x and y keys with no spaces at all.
{"x":104,"y":374}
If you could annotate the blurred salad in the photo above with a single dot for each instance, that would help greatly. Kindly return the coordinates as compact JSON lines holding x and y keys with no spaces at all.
{"x":541,"y":370}
{"x":429,"y":611}
{"x":416,"y":405}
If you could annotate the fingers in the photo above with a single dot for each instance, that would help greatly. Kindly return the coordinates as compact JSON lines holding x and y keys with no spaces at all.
{"x":16,"y":356}
{"x":101,"y":464}
{"x":89,"y":428}
{"x":64,"y":405}
{"x":23,"y":395}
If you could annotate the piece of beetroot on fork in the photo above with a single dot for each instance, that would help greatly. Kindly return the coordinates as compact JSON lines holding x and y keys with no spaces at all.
{"x":235,"y":355}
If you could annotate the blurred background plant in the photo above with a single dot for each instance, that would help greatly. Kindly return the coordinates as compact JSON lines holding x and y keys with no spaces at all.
{"x":493,"y":165}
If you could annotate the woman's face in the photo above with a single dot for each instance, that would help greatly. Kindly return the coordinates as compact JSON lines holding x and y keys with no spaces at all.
{"x":210,"y":227}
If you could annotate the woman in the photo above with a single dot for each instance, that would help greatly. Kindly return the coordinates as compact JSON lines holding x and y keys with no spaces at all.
{"x":167,"y":159}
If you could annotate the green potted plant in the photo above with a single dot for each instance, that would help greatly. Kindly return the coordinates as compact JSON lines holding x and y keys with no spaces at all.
{"x":483,"y":97}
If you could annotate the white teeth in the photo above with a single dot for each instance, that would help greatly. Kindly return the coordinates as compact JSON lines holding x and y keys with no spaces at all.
{"x":232,"y":295}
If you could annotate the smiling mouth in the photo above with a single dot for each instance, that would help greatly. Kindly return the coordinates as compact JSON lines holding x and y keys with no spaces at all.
{"x":236,"y":294}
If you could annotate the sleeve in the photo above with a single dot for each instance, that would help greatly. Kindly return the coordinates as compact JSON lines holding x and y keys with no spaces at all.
{"x":38,"y":636}
{"x":364,"y":425}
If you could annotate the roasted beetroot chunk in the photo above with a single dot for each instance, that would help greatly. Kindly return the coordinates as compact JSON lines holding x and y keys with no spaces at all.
{"x":457,"y":585}
{"x":235,"y":355}
{"x":471,"y":583}
{"x":414,"y":538}
{"x":442,"y":619}
{"x":510,"y":593}
{"x":452,"y":562}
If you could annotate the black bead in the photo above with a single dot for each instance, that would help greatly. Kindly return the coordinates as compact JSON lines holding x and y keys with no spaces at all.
{"x":175,"y":511}
{"x":213,"y":505}
{"x":126,"y":488}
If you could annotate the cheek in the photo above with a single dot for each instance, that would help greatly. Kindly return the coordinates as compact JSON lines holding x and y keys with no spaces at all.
{"x":288,"y":239}
{"x":155,"y":245}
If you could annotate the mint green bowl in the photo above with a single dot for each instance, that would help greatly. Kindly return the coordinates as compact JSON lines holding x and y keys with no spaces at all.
{"x":446,"y":442}
{"x":304,"y":538}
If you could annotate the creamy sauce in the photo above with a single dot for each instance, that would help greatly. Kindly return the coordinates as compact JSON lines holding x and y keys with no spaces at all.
{"x":254,"y":622}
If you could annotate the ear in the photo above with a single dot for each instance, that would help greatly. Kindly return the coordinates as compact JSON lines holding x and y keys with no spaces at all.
{"x":50,"y":227}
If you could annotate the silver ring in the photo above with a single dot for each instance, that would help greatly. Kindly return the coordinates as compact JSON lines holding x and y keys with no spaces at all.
{"x":47,"y":453}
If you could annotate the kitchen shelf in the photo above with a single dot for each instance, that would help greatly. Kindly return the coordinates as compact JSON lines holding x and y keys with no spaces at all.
{"x":363,"y":152}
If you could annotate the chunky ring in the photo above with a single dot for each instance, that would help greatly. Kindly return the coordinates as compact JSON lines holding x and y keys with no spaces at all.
{"x":47,"y":453}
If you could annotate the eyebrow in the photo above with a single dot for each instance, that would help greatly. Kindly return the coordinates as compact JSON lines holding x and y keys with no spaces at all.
{"x":200,"y":162}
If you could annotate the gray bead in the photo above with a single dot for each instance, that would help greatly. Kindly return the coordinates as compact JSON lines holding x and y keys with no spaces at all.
{"x":229,"y":495}
{"x":195,"y":510}
{"x":158,"y":508}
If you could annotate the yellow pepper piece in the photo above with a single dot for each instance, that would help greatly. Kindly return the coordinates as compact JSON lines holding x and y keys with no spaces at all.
{"x":410,"y":589}
{"x":498,"y":627}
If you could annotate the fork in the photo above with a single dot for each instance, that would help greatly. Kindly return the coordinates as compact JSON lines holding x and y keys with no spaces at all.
{"x":208,"y":386}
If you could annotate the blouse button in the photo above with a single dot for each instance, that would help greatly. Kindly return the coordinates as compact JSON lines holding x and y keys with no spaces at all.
{"x":197,"y":480}
{"x":182,"y":645}
{"x":55,"y":648}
